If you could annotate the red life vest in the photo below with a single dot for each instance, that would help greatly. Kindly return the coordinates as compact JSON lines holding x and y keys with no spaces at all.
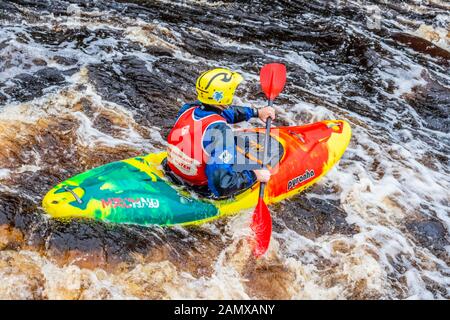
{"x":186,"y":156}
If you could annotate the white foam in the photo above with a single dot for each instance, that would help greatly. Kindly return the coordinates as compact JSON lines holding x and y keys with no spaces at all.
{"x":4,"y":173}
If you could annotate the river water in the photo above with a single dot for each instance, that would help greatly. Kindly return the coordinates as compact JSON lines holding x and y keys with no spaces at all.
{"x":84,"y":83}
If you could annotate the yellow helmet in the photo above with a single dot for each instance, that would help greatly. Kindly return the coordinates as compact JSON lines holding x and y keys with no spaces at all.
{"x":217,"y":86}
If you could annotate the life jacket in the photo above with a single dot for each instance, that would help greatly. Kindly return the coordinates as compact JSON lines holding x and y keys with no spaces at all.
{"x":186,"y":156}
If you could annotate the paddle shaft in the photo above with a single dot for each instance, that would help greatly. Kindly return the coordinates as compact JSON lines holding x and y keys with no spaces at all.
{"x":266,"y":150}
{"x":272,"y":78}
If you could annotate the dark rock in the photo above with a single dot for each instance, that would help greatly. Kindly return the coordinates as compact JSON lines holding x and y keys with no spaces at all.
{"x":158,"y":51}
{"x":153,"y":95}
{"x":421,"y":45}
{"x":70,"y":72}
{"x":50,"y":76}
{"x":432,"y":102}
{"x":430,"y":234}
{"x":312,"y":217}
{"x":30,"y":86}
{"x":4,"y":44}
{"x":39,"y":62}
{"x":2,"y":98}
{"x":79,"y":37}
{"x":16,"y":211}
{"x":65,"y":61}
{"x":196,"y":44}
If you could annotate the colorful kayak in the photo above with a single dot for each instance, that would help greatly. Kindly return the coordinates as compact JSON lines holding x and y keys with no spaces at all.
{"x":137,"y":190}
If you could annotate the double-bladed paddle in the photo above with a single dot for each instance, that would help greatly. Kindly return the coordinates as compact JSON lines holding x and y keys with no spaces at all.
{"x":272,"y":78}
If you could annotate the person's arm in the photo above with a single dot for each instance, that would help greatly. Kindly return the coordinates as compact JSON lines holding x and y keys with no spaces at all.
{"x":222,"y":178}
{"x":235,"y":114}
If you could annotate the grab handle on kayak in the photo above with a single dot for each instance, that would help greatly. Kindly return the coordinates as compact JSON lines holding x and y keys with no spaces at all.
{"x":333,"y":126}
{"x":77,"y":198}
{"x":299,"y":137}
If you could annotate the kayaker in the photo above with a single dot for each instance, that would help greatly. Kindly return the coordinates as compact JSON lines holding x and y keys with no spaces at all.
{"x":201,"y":145}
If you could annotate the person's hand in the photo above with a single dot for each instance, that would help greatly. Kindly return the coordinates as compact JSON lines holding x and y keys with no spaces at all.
{"x":262,"y":175}
{"x":265,"y":113}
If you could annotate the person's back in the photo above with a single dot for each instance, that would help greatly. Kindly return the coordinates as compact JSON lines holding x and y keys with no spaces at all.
{"x":201,"y":147}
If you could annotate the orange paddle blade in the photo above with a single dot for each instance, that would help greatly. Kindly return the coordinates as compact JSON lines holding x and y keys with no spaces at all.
{"x":262,"y":228}
{"x":272,"y":78}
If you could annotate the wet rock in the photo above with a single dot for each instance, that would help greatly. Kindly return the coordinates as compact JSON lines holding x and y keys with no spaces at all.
{"x":7,"y":6}
{"x":80,"y":38}
{"x":153,"y":95}
{"x":37,"y":182}
{"x":10,"y":238}
{"x":4,"y":44}
{"x":132,"y":85}
{"x":361,"y":53}
{"x":84,"y":237}
{"x":17,"y":212}
{"x":356,"y":106}
{"x":421,"y":45}
{"x":2,"y":98}
{"x":50,"y":76}
{"x":432,"y":102}
{"x":312,"y":217}
{"x":196,"y":44}
{"x":430,"y":234}
{"x":158,"y":51}
{"x":106,"y":245}
{"x":65,"y":61}
{"x":432,"y":159}
{"x":70,"y":72}
{"x":436,"y":288}
{"x":30,"y":86}
{"x":39,"y":62}
{"x":22,"y":37}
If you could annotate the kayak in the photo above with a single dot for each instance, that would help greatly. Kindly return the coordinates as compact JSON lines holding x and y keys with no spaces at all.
{"x":139,"y":190}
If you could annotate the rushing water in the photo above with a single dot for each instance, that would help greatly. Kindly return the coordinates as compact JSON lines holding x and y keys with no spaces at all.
{"x":84,"y":83}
